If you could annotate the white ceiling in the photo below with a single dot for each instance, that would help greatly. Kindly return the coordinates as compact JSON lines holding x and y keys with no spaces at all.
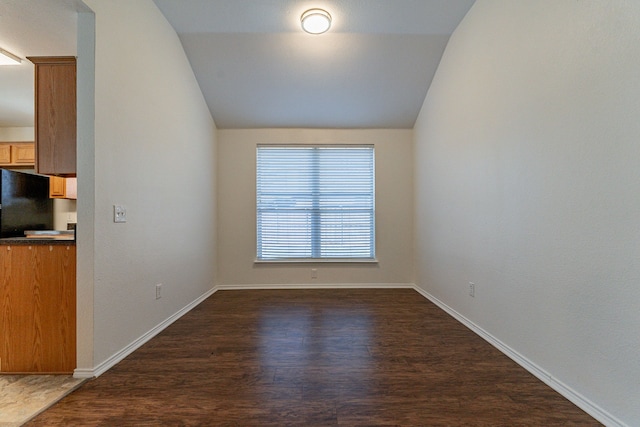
{"x":255,"y":66}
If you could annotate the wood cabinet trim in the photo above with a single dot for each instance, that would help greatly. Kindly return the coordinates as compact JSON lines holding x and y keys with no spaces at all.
{"x":52,"y":60}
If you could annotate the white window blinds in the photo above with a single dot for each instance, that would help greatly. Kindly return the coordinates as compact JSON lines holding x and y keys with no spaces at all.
{"x":315,"y":202}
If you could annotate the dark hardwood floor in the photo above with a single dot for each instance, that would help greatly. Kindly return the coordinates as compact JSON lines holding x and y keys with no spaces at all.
{"x":349,"y":357}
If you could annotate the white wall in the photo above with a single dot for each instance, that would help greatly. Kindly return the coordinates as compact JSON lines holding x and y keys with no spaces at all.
{"x":64,"y":212}
{"x":13,"y":134}
{"x":85,"y":155}
{"x":528,"y":184}
{"x":154,"y":153}
{"x":237,"y":209}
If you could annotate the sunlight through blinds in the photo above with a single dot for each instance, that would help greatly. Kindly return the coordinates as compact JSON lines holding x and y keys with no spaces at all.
{"x":315,"y":202}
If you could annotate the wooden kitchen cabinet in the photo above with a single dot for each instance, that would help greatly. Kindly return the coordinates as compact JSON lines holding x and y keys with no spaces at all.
{"x":17,"y":154}
{"x":55,"y":114}
{"x":63,"y":188}
{"x":38,"y":308}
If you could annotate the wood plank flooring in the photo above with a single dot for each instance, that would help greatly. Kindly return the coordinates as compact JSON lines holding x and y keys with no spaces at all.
{"x":327,"y":357}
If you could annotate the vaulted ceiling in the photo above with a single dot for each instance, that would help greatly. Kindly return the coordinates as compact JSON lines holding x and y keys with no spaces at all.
{"x":256,"y":67}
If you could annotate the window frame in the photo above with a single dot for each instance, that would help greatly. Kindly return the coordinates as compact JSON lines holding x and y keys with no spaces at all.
{"x":297,"y":260}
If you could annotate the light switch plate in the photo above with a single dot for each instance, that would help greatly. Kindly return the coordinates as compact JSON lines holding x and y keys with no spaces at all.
{"x":119,"y":213}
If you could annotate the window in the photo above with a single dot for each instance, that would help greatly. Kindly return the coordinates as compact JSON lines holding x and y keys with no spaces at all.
{"x":315,"y":202}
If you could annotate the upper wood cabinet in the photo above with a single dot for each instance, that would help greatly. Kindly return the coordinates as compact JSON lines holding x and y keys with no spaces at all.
{"x":17,"y":154}
{"x":55,"y":114}
{"x":63,"y":188}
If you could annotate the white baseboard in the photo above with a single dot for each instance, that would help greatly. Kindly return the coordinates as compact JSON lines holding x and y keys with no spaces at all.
{"x":83,"y":373}
{"x":318,"y":286}
{"x":573,"y":396}
{"x":117,"y":357}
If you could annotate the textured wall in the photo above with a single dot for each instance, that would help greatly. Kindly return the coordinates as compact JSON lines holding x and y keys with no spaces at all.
{"x":527,"y":183}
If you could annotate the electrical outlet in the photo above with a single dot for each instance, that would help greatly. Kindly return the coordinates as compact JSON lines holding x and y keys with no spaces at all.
{"x":159,"y":291}
{"x":314,"y":273}
{"x":472,"y":289}
{"x":119,"y":213}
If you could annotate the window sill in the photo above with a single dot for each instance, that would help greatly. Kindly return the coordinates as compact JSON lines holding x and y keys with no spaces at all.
{"x":317,"y":261}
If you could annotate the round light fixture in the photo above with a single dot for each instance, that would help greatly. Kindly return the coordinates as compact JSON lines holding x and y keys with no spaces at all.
{"x":315,"y":21}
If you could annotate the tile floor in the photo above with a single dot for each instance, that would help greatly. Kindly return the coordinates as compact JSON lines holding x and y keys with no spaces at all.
{"x":24,"y":396}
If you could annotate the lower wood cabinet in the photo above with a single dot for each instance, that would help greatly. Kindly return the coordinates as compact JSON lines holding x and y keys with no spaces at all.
{"x":38,"y":308}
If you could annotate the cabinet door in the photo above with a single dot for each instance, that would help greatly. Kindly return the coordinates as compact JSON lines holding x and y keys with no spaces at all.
{"x":23,"y":154}
{"x":18,"y":300}
{"x":56,"y":315}
{"x":63,"y":188}
{"x":38,"y":317}
{"x":5,"y":154}
{"x":55,"y":115}
{"x":56,"y":187}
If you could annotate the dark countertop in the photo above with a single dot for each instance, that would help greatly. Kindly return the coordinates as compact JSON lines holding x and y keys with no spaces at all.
{"x":25,"y":241}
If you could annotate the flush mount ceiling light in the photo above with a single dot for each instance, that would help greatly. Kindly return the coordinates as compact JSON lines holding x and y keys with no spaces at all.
{"x":8,"y":58}
{"x":315,"y":21}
